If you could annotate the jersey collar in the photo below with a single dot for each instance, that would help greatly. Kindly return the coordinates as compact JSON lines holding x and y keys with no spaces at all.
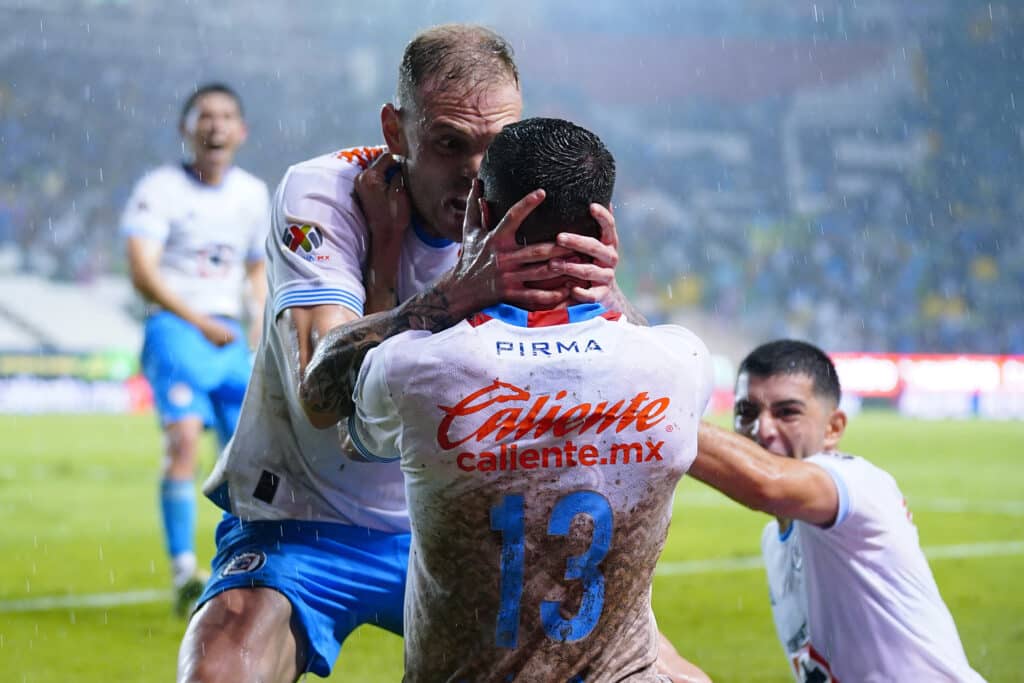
{"x":427,"y":239}
{"x":520,"y":317}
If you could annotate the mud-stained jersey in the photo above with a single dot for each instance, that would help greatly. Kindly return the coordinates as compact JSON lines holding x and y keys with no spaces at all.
{"x":277,"y":466}
{"x":540,"y":452}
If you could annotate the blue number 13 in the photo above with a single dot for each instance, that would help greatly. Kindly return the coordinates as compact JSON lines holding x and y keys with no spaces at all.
{"x":507,"y":518}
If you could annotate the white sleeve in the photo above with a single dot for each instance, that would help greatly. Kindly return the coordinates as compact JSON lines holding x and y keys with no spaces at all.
{"x":375,"y":426}
{"x":260,"y":227}
{"x":845,"y":476}
{"x":318,"y":243}
{"x":694,"y":355}
{"x":145,"y":214}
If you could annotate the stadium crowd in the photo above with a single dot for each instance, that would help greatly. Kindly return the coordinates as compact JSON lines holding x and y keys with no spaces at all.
{"x":894,"y":212}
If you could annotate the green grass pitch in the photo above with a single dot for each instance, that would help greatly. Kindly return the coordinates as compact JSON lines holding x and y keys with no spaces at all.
{"x":79,"y":518}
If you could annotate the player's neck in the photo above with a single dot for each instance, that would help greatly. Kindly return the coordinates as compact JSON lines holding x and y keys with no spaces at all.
{"x":537,"y":309}
{"x":208,"y":172}
{"x":784,"y":524}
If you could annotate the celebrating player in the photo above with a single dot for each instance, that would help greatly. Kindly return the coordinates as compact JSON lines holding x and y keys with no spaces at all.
{"x":316,"y":544}
{"x":852,"y":595}
{"x":541,"y":448}
{"x":195,"y":235}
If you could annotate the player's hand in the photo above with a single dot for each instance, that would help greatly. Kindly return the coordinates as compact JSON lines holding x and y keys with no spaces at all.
{"x":492,"y":268}
{"x":381,"y":194}
{"x":216,"y":332}
{"x":603,"y":256}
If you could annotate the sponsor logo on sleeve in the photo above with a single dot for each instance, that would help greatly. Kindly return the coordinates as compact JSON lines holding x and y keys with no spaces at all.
{"x":304,"y":240}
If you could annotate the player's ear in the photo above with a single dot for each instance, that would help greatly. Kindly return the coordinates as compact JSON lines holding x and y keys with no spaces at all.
{"x":391,"y":127}
{"x":834,"y":429}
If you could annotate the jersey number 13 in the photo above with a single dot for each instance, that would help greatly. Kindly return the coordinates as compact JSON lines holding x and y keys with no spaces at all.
{"x":507,"y":517}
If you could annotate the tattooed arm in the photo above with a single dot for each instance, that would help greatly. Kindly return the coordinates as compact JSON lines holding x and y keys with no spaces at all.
{"x":326,"y":389}
{"x":491,"y":268}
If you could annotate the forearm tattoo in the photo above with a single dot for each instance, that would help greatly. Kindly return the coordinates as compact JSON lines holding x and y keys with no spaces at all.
{"x":332,"y":372}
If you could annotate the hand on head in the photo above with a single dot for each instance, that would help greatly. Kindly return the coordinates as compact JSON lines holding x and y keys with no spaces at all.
{"x":601,"y":257}
{"x":381,"y":195}
{"x":516,"y":274}
{"x":501,"y":269}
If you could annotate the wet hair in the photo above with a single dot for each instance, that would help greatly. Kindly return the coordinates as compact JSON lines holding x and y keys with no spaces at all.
{"x":568,"y":162}
{"x":462,"y":53}
{"x":791,"y":357}
{"x":207,"y":89}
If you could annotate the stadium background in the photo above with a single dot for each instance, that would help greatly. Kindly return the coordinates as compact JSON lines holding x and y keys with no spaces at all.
{"x":844,"y":171}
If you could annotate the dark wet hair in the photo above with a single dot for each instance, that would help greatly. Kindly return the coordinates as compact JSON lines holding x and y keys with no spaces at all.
{"x":462,"y":53}
{"x":568,"y":162}
{"x":792,"y":357}
{"x":207,"y":89}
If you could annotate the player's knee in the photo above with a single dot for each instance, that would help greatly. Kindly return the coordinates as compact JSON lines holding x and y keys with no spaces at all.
{"x":182,"y":442}
{"x":226,"y":640}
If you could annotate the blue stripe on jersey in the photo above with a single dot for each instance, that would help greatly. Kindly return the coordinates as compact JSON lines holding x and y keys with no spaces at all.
{"x":519,"y":317}
{"x":581,"y":312}
{"x":429,"y":240}
{"x":784,"y":535}
{"x":315,"y":297}
{"x":363,"y":450}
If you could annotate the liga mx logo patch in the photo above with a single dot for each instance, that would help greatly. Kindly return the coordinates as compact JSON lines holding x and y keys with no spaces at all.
{"x":306,"y":237}
{"x":244,"y":563}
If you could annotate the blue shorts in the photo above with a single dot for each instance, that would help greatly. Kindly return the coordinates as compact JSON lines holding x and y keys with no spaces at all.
{"x":192,"y":377}
{"x":336,"y":576}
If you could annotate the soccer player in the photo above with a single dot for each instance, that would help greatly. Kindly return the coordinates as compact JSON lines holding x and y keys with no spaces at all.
{"x":852,"y":595}
{"x":195,"y":234}
{"x":541,"y":449}
{"x":316,"y":544}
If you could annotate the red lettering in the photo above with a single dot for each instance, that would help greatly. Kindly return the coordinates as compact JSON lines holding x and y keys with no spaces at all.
{"x":588,"y":455}
{"x":518,"y":416}
{"x":473,"y":404}
{"x":631,"y":411}
{"x":557,"y":452}
{"x":655,"y":409}
{"x":569,"y":422}
{"x":465,"y":456}
{"x":528,"y":459}
{"x":488,"y":462}
{"x":653,"y":450}
{"x":570,"y":450}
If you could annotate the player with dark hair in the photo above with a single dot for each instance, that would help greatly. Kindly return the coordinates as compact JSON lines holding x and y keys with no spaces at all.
{"x":195,"y":234}
{"x":541,"y":447}
{"x":853,"y":598}
{"x":316,"y":544}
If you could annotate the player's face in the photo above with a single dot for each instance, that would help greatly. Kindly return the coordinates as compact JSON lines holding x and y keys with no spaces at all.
{"x":785,"y":416}
{"x":214,"y":129}
{"x":445,"y":138}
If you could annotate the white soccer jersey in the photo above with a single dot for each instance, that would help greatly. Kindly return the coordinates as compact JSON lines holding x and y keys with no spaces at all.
{"x":874,"y":612}
{"x":783,"y":561}
{"x":540,"y":462}
{"x":208,"y":233}
{"x":277,"y":466}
